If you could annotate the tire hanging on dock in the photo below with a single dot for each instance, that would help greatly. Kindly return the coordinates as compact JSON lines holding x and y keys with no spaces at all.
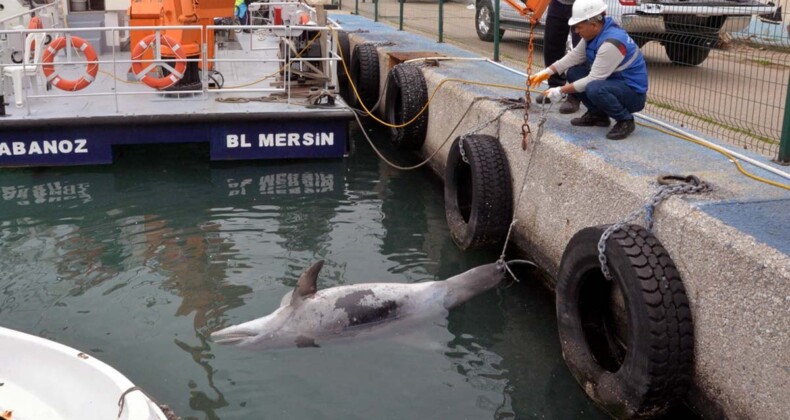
{"x":365,"y":73}
{"x":343,"y":85}
{"x":478,"y":195}
{"x":639,"y":366}
{"x":407,"y":93}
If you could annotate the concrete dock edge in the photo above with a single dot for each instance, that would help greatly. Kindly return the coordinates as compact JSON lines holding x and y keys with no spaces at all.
{"x":731,"y":245}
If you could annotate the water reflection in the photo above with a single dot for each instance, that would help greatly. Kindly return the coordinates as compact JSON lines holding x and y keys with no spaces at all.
{"x":139,"y":261}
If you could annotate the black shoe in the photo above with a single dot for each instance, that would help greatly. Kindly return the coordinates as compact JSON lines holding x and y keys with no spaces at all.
{"x":590,"y":119}
{"x":621,"y":130}
{"x":570,"y":106}
{"x":542,"y":99}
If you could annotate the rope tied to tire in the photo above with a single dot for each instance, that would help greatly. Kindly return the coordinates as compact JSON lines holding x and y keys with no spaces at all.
{"x":669,"y":185}
{"x":544,"y":115}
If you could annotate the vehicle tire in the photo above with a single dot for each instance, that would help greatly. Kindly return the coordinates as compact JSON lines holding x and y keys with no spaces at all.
{"x":365,"y":73}
{"x":648,"y":370}
{"x":484,"y":22}
{"x":640,"y":40}
{"x":478,"y":196}
{"x":687,"y":54}
{"x":344,"y":88}
{"x":406,"y":95}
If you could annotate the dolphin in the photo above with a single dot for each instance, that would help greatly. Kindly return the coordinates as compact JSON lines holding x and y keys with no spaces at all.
{"x":308,"y":316}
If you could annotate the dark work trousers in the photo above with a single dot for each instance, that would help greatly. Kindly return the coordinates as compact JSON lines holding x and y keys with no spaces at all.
{"x":556,"y":36}
{"x":612,"y":97}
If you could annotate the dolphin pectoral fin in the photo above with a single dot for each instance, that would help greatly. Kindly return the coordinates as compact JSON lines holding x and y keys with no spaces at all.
{"x":307,"y":284}
{"x":303,"y":341}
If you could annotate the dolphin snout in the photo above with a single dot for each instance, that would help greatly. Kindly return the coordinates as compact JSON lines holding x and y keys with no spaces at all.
{"x":232,"y":335}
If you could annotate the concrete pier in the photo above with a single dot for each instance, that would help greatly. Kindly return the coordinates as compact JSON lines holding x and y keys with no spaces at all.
{"x":731,"y":245}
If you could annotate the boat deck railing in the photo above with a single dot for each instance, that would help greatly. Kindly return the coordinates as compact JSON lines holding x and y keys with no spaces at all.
{"x":253,"y":68}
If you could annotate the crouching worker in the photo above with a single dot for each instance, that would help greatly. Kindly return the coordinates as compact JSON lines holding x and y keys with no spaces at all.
{"x":606,"y":70}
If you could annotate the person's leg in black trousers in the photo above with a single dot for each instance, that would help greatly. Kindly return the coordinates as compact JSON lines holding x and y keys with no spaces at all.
{"x":554,"y":43}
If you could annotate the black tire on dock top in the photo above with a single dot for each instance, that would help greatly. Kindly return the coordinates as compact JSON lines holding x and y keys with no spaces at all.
{"x":478,"y":196}
{"x":365,"y":73}
{"x":344,"y":88}
{"x":407,"y":93}
{"x":640,"y":366}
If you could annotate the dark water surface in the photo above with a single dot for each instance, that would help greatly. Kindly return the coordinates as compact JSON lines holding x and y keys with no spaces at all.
{"x":137,"y":262}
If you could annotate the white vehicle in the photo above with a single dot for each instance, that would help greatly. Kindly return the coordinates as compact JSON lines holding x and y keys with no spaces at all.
{"x":687,"y":29}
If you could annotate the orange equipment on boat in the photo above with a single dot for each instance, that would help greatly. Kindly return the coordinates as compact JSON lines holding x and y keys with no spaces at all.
{"x":168,"y":13}
{"x":65,"y":84}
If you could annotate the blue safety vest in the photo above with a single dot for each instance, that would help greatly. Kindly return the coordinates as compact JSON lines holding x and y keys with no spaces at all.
{"x":633,"y":68}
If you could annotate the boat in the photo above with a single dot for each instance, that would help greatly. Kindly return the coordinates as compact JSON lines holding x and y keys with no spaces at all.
{"x":42,"y":379}
{"x":81,"y":77}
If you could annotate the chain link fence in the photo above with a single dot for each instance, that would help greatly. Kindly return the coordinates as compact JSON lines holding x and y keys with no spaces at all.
{"x":718,"y":68}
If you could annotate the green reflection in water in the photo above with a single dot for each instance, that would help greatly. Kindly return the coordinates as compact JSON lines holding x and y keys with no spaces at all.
{"x":137,"y":262}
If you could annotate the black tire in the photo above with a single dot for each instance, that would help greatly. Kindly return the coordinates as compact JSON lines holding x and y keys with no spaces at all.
{"x":407,"y":93}
{"x":478,"y":196}
{"x":484,"y":22}
{"x":365,"y":73}
{"x":344,"y":86}
{"x":688,"y":54}
{"x":647,"y":370}
{"x":640,"y":40}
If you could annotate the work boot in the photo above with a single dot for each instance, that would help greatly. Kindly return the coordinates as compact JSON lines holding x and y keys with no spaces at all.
{"x":570,"y":106}
{"x":542,"y":99}
{"x":621,"y":130}
{"x":591,"y":118}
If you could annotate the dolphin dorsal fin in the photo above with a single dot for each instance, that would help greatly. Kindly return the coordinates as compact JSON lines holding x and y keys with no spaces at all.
{"x":306,"y":286}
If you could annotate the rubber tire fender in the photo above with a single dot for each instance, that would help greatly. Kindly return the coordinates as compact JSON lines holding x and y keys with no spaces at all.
{"x":343,"y":85}
{"x":365,"y":73}
{"x":478,"y":196}
{"x":653,"y":372}
{"x":406,"y":95}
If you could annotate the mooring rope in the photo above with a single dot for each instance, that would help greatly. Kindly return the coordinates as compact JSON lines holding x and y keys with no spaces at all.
{"x":544,"y":116}
{"x":449,"y":136}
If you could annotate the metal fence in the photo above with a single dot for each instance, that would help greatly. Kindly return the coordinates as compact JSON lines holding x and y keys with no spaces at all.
{"x":724,"y":78}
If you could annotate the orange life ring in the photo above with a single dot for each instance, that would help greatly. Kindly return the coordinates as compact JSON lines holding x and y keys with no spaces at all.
{"x":143,"y":75}
{"x":64,"y":84}
{"x":35,"y":23}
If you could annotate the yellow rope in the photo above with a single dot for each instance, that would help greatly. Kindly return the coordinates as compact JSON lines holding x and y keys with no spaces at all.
{"x":520,"y":88}
{"x":299,"y":54}
{"x":723,"y":152}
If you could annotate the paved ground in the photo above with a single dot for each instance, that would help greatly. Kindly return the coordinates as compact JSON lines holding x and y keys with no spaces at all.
{"x":737,"y":94}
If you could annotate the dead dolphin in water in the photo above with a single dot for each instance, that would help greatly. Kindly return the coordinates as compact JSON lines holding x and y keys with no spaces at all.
{"x":307,"y":316}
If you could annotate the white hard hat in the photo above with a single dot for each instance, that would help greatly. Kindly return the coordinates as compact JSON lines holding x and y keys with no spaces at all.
{"x":585,"y":9}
